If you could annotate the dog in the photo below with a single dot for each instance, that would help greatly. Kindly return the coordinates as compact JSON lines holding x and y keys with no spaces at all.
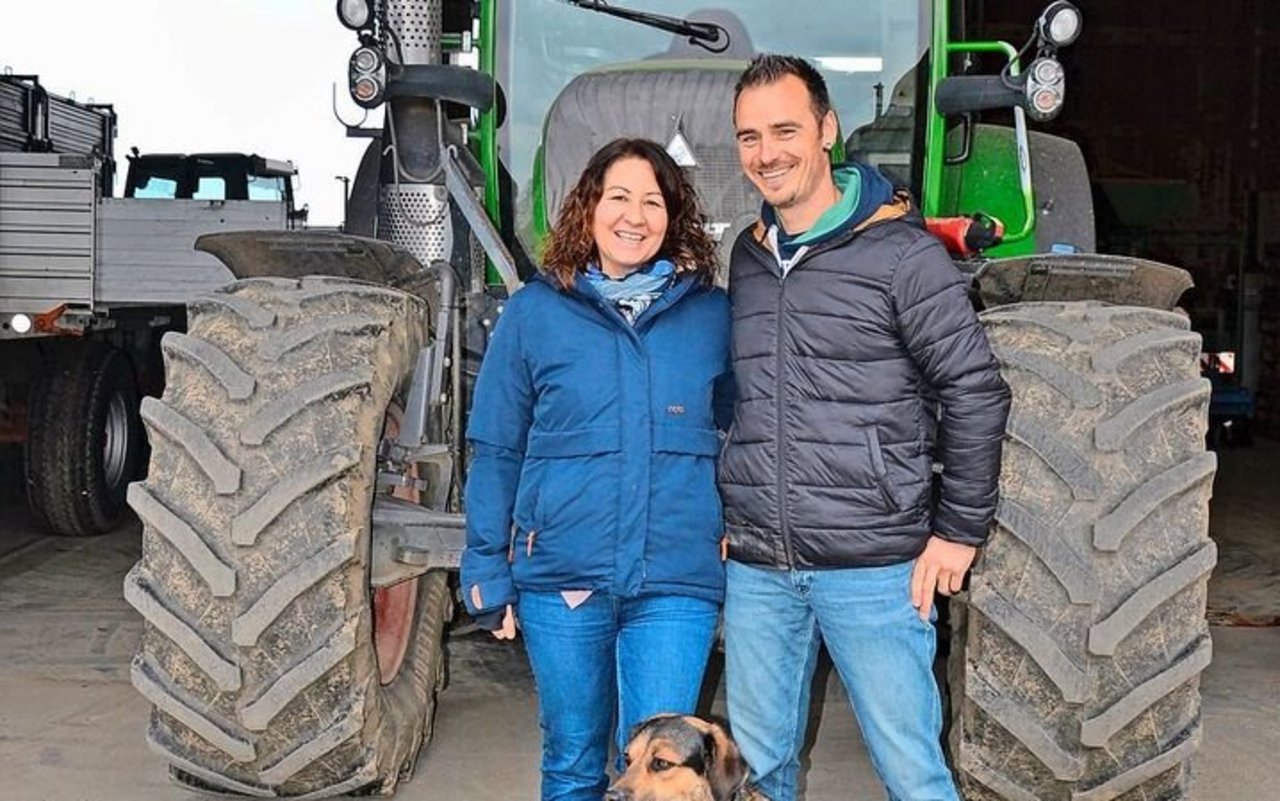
{"x":682,"y":758}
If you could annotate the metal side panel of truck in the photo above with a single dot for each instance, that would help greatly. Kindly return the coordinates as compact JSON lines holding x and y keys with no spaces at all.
{"x":61,"y":243}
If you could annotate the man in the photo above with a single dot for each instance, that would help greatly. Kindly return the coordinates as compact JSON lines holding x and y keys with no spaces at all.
{"x":859,"y":363}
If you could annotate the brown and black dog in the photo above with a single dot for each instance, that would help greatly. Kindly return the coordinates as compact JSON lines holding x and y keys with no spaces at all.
{"x":682,"y":758}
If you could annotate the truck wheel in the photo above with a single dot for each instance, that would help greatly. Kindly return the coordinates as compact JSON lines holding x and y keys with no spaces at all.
{"x":260,"y":653}
{"x":85,"y":442}
{"x":1084,"y":634}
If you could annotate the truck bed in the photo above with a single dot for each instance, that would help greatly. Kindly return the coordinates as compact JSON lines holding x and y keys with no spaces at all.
{"x":60,"y":243}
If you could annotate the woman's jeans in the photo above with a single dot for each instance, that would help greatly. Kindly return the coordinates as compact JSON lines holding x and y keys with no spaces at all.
{"x":774,"y":620}
{"x":604,"y":667}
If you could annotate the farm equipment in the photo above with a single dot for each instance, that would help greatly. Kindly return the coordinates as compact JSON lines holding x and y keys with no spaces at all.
{"x":302,"y":510}
{"x":89,"y":283}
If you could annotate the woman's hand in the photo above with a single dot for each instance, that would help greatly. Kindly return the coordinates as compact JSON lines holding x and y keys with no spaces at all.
{"x":508,"y":629}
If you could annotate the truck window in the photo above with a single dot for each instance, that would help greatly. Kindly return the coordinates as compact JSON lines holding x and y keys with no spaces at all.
{"x":157,"y":188}
{"x":210,"y":187}
{"x":266,"y":187}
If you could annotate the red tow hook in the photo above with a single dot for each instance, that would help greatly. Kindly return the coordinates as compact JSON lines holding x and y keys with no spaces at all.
{"x":966,"y":236}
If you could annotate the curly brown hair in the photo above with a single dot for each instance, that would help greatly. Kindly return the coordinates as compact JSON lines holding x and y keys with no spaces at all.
{"x":570,"y":246}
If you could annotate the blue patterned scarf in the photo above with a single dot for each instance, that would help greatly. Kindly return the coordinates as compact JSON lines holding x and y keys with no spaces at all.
{"x":635,"y":293}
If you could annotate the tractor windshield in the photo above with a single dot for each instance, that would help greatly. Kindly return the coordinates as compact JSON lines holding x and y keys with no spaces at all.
{"x":869,"y":52}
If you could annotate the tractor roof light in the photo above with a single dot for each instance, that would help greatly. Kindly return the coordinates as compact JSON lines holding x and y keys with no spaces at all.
{"x":366,"y":60}
{"x":1046,"y":102}
{"x":367,"y":77}
{"x":1046,"y":71}
{"x":366,"y":91}
{"x":355,"y":14}
{"x":1060,"y":24}
{"x":1046,"y":84}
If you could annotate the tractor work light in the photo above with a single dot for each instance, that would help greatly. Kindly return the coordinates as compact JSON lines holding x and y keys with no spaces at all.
{"x":20,"y":323}
{"x":1046,"y":103}
{"x":1046,"y":88}
{"x":366,"y":91}
{"x":365,"y":59}
{"x":367,"y":77}
{"x":1060,"y":24}
{"x":355,"y":14}
{"x":1046,"y":71}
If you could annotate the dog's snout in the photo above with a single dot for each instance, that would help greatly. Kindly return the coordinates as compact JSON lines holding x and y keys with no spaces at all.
{"x":617,"y":794}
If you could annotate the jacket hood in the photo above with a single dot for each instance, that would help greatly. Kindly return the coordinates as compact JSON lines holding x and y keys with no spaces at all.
{"x":867,"y":198}
{"x":863,"y":191}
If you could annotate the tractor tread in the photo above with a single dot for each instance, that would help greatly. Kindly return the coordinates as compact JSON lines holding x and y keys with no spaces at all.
{"x":217,"y":574}
{"x":1106,"y":634}
{"x":157,"y":688}
{"x":258,"y":652}
{"x":270,"y":417}
{"x":1019,"y":722}
{"x":353,"y":324}
{"x":1110,"y":531}
{"x":238,"y":384}
{"x":1083,"y":635}
{"x":1049,"y":546}
{"x":163,"y":419}
{"x":140,"y":595}
{"x":248,"y":627}
{"x":1114,"y":432}
{"x":256,"y":316}
{"x":1069,"y":464}
{"x":259,"y":714}
{"x":1097,"y":730}
{"x":247,"y":525}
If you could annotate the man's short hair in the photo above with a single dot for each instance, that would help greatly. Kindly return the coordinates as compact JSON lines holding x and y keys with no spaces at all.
{"x":768,"y":68}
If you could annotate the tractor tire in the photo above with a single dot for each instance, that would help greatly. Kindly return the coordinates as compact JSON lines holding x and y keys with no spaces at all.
{"x":259,"y":652}
{"x":85,"y":441}
{"x":1075,"y":671}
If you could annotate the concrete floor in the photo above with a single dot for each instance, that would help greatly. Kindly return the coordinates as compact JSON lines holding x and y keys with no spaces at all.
{"x":71,"y":725}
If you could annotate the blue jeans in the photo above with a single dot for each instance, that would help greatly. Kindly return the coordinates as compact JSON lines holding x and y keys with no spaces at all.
{"x":883,"y":651}
{"x":604,"y":667}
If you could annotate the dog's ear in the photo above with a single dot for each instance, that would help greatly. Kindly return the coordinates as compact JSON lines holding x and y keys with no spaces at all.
{"x":727,"y":770}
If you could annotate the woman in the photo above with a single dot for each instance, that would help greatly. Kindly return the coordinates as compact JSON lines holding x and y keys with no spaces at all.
{"x":592,"y":512}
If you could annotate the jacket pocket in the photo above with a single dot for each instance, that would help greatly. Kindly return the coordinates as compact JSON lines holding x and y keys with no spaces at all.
{"x":580,"y":442}
{"x":686,"y":440}
{"x":686,"y":500}
{"x":880,"y":471}
{"x":570,"y":467}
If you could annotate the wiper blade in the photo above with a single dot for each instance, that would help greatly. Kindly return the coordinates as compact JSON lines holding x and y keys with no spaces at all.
{"x":707,"y":35}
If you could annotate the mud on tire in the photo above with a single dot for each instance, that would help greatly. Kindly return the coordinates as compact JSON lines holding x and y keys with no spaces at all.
{"x":1084,"y":634}
{"x":258,"y":651}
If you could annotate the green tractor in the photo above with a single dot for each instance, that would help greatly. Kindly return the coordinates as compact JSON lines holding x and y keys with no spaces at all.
{"x":302,"y":516}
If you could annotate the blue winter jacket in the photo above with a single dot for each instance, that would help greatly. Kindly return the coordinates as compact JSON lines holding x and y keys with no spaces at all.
{"x":594,"y":445}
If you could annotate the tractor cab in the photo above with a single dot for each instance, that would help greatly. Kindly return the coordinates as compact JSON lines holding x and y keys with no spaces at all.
{"x":577,"y":77}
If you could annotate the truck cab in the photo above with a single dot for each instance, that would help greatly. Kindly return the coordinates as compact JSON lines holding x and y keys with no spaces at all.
{"x":212,"y":176}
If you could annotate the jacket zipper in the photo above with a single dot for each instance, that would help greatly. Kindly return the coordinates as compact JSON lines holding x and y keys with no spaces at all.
{"x":783,"y":520}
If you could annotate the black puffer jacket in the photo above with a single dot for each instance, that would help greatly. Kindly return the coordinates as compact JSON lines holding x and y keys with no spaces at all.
{"x":841,"y":369}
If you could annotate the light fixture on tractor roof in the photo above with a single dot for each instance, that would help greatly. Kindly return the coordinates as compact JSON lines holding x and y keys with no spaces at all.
{"x":1045,"y":88}
{"x":1060,"y":24}
{"x":367,"y":77}
{"x":355,"y":14}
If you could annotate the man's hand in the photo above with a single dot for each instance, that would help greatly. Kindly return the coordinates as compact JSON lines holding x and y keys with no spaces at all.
{"x":508,"y":630}
{"x":940,"y":568}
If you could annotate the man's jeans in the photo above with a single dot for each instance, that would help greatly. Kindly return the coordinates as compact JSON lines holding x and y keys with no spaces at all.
{"x":634,"y":657}
{"x":883,"y":651}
